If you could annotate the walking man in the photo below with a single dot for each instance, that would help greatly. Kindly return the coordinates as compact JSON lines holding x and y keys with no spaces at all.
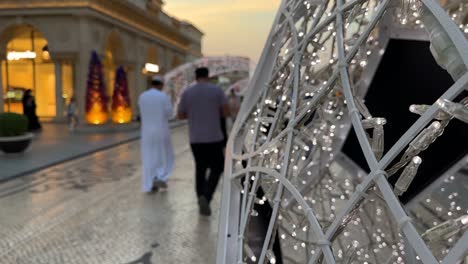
{"x":156,"y":145}
{"x":204,"y":104}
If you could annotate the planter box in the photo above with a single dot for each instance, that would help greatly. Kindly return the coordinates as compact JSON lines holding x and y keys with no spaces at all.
{"x":16,"y":144}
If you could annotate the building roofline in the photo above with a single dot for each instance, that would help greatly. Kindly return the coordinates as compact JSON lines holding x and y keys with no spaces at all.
{"x":117,"y":9}
{"x":188,"y":24}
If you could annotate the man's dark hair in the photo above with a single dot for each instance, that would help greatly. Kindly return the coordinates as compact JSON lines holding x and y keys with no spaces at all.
{"x":155,"y":83}
{"x":202,"y":72}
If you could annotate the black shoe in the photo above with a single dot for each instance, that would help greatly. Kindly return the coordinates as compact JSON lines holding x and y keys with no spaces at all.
{"x":204,"y":206}
{"x":154,"y":189}
{"x":160,"y":184}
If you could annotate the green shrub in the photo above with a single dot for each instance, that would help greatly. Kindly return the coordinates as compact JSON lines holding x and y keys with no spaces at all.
{"x":12,"y":124}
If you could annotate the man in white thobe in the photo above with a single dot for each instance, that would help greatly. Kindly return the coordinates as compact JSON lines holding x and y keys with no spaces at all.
{"x":156,"y":145}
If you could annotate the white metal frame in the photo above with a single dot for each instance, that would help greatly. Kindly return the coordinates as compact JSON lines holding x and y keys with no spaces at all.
{"x":239,"y":196}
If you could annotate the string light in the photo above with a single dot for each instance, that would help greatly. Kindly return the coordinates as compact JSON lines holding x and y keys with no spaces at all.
{"x":299,"y":123}
{"x":456,"y":110}
{"x":407,"y":176}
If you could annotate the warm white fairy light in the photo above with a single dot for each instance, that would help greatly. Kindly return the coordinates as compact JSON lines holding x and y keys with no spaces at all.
{"x":297,"y":134}
{"x":407,"y":176}
{"x":459,"y":111}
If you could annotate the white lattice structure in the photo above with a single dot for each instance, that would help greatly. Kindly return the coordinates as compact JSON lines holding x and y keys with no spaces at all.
{"x":181,"y":77}
{"x":304,"y":97}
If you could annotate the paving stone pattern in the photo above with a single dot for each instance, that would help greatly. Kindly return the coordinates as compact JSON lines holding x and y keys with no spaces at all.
{"x":91,"y":210}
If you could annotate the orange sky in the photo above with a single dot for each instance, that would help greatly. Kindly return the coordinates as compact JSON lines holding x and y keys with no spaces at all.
{"x":231,"y":27}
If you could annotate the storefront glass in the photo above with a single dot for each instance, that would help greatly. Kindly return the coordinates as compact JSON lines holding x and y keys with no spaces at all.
{"x":28,"y":66}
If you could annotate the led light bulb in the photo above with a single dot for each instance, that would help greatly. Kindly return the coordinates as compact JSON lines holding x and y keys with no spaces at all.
{"x":446,"y":229}
{"x":421,"y":109}
{"x":373,"y":122}
{"x":426,"y":137}
{"x":249,"y":253}
{"x":456,"y":110}
{"x":442,"y":47}
{"x":259,"y":201}
{"x":362,"y":108}
{"x":378,"y":142}
{"x":271,"y":256}
{"x":407,"y":176}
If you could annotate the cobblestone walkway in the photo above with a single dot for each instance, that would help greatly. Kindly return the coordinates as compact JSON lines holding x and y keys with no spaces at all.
{"x":90,"y":210}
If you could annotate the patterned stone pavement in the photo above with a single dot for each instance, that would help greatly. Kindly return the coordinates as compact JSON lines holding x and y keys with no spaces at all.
{"x":91,"y":210}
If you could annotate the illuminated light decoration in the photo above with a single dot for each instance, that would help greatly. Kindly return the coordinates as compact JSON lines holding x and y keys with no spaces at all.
{"x":121,"y":108}
{"x":183,"y":76}
{"x":152,"y":68}
{"x":19,"y":55}
{"x":96,"y":98}
{"x":305,"y":96}
{"x":457,"y":110}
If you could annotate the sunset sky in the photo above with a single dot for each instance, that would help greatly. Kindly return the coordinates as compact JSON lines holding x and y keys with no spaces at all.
{"x":231,"y":27}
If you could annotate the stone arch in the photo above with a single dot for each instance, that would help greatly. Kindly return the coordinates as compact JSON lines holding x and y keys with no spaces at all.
{"x":9,"y":31}
{"x":27,"y":64}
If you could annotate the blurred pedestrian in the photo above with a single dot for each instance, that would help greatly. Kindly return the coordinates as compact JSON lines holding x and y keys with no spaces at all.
{"x":156,"y":144}
{"x":204,"y":104}
{"x":29,"y":110}
{"x":72,"y":118}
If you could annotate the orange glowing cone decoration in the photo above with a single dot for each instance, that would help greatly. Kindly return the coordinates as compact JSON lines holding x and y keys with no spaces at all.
{"x":96,"y":98}
{"x":121,"y":108}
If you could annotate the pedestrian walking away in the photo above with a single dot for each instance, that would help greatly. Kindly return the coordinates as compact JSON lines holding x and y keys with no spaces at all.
{"x":156,"y":145}
{"x":204,"y":105}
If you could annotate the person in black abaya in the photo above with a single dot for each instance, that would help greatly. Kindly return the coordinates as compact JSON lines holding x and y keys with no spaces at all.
{"x":29,"y":110}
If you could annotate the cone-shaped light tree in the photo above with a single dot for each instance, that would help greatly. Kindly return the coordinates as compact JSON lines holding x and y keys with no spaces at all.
{"x":96,"y":98}
{"x":121,"y":108}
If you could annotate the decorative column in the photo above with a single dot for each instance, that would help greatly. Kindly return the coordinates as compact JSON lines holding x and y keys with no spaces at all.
{"x":1,"y":88}
{"x":140,"y":81}
{"x":132,"y":73}
{"x":81,"y":67}
{"x":59,"y":107}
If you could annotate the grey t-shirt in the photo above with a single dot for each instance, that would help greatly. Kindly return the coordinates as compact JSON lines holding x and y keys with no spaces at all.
{"x":202,"y":103}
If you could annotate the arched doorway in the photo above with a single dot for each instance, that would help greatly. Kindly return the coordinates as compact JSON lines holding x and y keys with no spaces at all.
{"x":27,"y":66}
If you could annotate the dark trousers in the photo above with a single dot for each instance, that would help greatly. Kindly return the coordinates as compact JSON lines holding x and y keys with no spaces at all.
{"x":208,"y":156}
{"x":224,"y":130}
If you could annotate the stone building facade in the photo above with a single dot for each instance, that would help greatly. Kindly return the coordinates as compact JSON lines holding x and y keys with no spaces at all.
{"x":46,"y":46}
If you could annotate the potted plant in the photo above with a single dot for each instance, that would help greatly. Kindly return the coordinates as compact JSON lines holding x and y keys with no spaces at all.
{"x":14,"y":136}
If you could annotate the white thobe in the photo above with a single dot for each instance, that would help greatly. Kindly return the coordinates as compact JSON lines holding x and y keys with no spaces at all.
{"x":156,"y":145}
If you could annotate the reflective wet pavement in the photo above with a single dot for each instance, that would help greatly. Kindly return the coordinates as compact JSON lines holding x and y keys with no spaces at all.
{"x":91,"y":210}
{"x":55,"y":144}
